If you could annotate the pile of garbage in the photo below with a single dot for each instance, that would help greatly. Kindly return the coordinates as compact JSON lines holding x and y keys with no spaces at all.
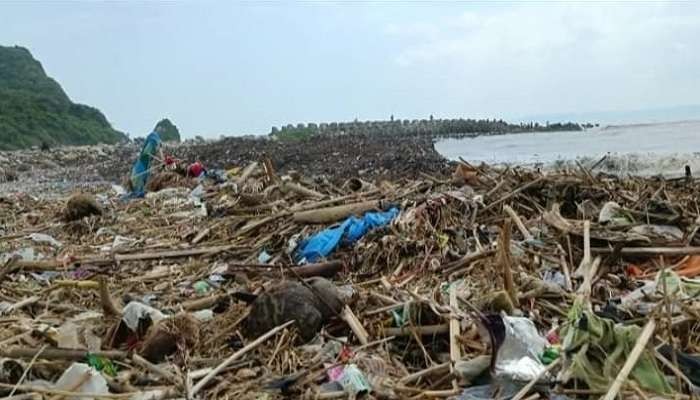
{"x":484,"y":282}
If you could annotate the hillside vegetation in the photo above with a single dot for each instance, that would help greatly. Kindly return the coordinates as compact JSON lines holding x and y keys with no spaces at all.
{"x":35,"y":111}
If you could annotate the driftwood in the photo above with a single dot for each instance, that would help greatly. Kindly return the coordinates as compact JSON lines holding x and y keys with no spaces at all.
{"x":61,"y":354}
{"x":333,"y":214}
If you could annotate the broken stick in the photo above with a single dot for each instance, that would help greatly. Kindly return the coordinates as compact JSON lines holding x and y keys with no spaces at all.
{"x":250,"y":346}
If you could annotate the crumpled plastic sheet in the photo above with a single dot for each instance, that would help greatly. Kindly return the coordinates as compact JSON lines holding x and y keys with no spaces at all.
{"x":351,"y":230}
{"x":135,"y":311}
{"x":75,"y":374}
{"x":517,"y":357}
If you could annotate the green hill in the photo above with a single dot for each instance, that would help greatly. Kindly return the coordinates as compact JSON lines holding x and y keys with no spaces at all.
{"x":34,"y":109}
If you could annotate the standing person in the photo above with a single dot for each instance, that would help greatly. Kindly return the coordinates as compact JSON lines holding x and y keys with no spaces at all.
{"x":141,"y":169}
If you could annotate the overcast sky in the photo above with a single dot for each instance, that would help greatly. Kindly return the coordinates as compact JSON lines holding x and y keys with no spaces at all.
{"x":224,"y":67}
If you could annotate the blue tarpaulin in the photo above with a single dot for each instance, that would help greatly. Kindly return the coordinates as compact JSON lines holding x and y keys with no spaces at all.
{"x":352,"y":229}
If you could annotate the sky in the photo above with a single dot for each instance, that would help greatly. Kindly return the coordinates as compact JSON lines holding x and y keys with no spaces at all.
{"x":230,"y":68}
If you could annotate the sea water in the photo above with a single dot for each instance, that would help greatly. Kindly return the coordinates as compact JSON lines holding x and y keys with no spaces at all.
{"x":638,"y":149}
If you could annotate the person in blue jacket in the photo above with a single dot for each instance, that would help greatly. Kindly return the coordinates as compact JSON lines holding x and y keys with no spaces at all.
{"x":142,"y":166}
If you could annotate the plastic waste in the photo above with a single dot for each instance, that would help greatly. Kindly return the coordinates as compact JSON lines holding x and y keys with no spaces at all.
{"x":204,"y":315}
{"x":118,"y":190}
{"x":352,"y":229}
{"x":677,"y":286}
{"x":43,"y":238}
{"x":689,"y":364}
{"x":264,"y":257}
{"x":45,"y":277}
{"x":167,"y":193}
{"x":469,"y":370}
{"x":135,"y":312}
{"x":197,"y":193}
{"x":24,"y":254}
{"x":598,"y":347}
{"x":201,"y":287}
{"x":517,"y":357}
{"x":102,"y":364}
{"x":555,"y":277}
{"x":119,"y":242}
{"x":665,"y":232}
{"x":612,"y":214}
{"x":353,"y":380}
{"x":73,"y":379}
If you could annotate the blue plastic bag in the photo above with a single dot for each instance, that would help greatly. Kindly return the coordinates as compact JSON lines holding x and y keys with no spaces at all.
{"x":351,"y":230}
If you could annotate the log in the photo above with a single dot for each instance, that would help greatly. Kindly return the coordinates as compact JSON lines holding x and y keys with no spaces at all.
{"x":108,"y":305}
{"x":246,"y":173}
{"x":326,"y":269}
{"x":55,"y":353}
{"x":465,"y":260}
{"x":355,"y":325}
{"x":54,"y":264}
{"x":455,"y":350}
{"x":513,"y":193}
{"x":333,"y":214}
{"x":302,"y":190}
{"x":435,"y":369}
{"x":423,"y":330}
{"x":650,"y":251}
{"x":518,"y":222}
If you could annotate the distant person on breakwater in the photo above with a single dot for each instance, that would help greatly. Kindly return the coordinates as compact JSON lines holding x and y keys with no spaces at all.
{"x":142,"y":166}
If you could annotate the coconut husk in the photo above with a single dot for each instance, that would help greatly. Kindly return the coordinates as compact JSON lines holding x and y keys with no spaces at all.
{"x":164,"y":180}
{"x":79,"y":206}
{"x":165,"y":337}
{"x":310,"y":308}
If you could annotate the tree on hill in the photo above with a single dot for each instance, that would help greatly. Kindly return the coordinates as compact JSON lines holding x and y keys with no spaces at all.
{"x":35,"y":111}
{"x":170,"y":131}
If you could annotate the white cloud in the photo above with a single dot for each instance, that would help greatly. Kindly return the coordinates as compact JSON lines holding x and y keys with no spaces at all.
{"x":623,"y":55}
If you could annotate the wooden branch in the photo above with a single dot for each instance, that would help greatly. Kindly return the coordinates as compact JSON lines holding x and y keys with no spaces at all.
{"x":39,"y":389}
{"x":355,"y":325}
{"x":147,"y":365}
{"x":518,"y":222}
{"x":455,"y":351}
{"x":54,"y":353}
{"x":523,"y":392}
{"x":423,"y":330}
{"x":650,"y":251}
{"x":465,"y":260}
{"x":513,"y":193}
{"x":435,"y":369}
{"x":302,"y":190}
{"x":247,"y":348}
{"x":48,"y":265}
{"x":246,"y":173}
{"x":506,"y":262}
{"x":108,"y":305}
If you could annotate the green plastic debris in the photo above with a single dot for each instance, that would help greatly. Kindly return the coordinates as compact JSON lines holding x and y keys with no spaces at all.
{"x":599,"y":348}
{"x":102,"y":364}
{"x":549,"y":355}
{"x":201,"y":287}
{"x":401,"y":319}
